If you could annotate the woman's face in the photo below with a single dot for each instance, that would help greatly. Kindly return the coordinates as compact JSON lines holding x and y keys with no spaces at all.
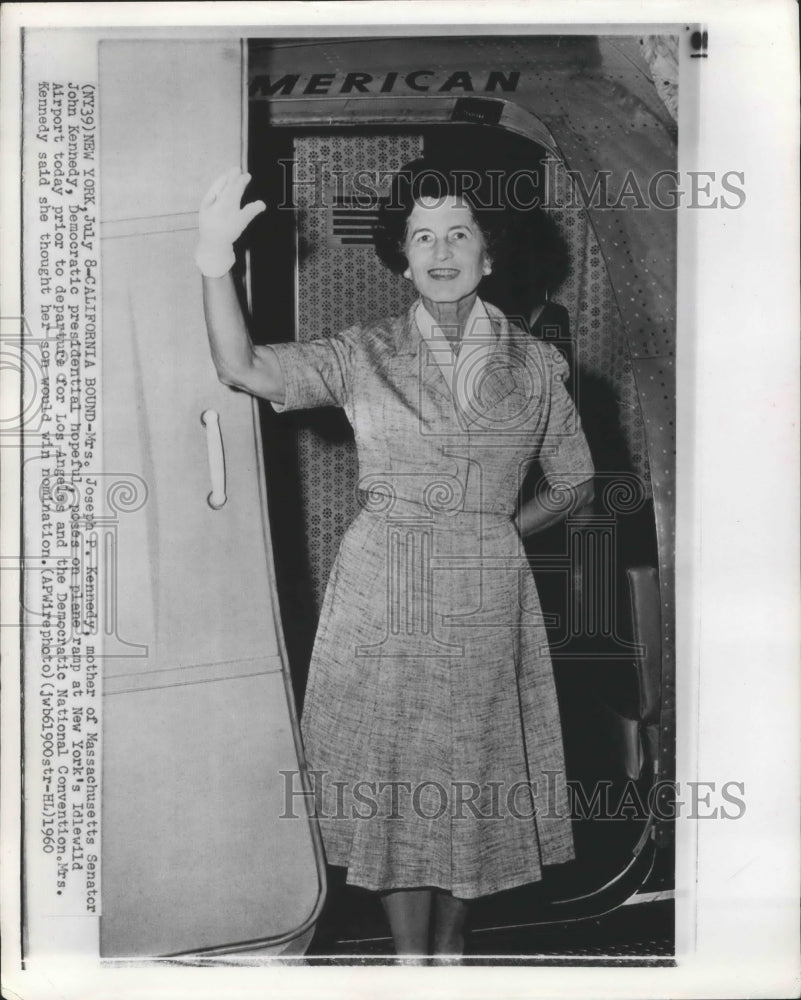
{"x":445,"y":249}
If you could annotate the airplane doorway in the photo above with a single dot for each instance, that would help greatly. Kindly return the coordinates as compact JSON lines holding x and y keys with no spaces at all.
{"x":313,"y":272}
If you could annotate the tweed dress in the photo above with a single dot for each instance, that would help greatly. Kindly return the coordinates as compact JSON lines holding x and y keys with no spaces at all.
{"x":430,"y":725}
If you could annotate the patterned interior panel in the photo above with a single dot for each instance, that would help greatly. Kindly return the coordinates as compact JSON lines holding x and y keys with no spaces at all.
{"x":338,"y":285}
{"x":604,"y":387}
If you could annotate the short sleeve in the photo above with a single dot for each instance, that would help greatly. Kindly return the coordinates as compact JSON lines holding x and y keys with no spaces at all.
{"x":565,"y":453}
{"x":317,"y":372}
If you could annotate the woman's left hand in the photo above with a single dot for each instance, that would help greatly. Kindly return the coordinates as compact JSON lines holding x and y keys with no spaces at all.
{"x":535,"y":516}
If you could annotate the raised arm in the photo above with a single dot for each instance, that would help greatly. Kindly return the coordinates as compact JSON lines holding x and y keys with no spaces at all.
{"x":221,"y":221}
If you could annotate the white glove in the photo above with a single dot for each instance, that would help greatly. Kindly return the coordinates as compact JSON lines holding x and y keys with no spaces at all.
{"x":221,"y":221}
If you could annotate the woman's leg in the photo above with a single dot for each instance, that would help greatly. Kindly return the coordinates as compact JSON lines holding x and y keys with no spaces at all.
{"x":409,"y":914}
{"x":449,"y":917}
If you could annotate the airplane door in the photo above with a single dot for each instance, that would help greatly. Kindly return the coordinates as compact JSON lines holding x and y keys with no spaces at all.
{"x":201,"y":852}
{"x":338,"y":281}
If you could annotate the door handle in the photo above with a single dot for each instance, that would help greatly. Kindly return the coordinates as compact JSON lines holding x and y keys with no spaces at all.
{"x":214,"y":446}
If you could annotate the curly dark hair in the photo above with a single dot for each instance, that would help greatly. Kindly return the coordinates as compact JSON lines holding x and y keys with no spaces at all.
{"x":534,"y":263}
{"x":429,"y":178}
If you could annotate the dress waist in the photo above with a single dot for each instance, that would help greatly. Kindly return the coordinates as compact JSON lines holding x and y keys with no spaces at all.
{"x":437,"y":502}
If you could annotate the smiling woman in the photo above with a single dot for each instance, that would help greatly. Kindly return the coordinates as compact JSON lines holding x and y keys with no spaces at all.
{"x":430,"y":723}
{"x":446,"y":254}
{"x":429,"y":182}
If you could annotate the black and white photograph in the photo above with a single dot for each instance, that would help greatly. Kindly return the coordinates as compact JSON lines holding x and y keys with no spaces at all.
{"x":373,"y":384}
{"x":444,"y":724}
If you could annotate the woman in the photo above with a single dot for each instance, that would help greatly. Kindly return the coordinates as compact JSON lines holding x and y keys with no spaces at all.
{"x":430,"y":722}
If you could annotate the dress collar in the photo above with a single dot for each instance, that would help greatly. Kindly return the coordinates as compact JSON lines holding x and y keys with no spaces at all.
{"x":478,"y":328}
{"x":461,"y":372}
{"x":409,"y":334}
